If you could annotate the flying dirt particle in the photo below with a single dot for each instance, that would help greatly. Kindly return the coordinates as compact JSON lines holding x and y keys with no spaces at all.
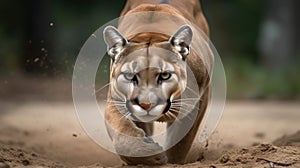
{"x":26,"y":133}
{"x":74,"y":135}
{"x":259,"y":135}
{"x":25,"y":162}
{"x":36,"y":60}
{"x":51,"y":24}
{"x":3,"y":165}
{"x":224,"y":159}
{"x":206,"y":144}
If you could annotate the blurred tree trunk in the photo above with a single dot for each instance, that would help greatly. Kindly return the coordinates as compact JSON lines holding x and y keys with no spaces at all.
{"x":277,"y":43}
{"x":39,"y":38}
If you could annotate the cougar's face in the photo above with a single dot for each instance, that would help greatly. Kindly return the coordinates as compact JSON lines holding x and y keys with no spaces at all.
{"x":148,"y":81}
{"x":147,"y":78}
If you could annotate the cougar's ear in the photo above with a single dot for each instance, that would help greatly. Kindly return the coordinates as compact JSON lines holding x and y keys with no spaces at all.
{"x":181,"y":40}
{"x":114,"y":40}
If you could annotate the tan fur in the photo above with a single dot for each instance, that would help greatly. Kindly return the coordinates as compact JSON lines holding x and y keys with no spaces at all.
{"x":190,"y":10}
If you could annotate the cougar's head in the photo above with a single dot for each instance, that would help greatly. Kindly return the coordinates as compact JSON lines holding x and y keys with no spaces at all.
{"x":147,"y":79}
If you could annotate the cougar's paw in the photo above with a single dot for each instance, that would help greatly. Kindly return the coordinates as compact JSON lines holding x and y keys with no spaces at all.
{"x":157,"y":159}
{"x":140,"y":150}
{"x":136,"y":146}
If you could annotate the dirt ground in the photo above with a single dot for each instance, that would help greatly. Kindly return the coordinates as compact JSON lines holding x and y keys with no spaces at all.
{"x":37,"y":131}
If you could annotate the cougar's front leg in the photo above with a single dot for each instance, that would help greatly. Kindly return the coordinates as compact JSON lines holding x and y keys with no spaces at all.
{"x":131,"y":142}
{"x":147,"y":127}
{"x":177,"y":153}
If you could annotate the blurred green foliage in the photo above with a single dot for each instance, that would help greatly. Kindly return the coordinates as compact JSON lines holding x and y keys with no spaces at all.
{"x":234,"y":26}
{"x":246,"y":79}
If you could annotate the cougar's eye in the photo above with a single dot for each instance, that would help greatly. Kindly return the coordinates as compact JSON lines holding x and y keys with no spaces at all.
{"x":165,"y":76}
{"x":129,"y":76}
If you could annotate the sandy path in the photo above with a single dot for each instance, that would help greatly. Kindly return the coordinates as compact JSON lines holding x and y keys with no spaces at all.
{"x":245,"y":123}
{"x":52,"y":129}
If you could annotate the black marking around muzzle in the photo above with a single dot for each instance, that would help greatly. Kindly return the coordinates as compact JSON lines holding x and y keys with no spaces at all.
{"x":168,"y":106}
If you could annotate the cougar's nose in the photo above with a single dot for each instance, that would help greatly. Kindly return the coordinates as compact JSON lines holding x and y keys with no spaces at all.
{"x":146,"y":106}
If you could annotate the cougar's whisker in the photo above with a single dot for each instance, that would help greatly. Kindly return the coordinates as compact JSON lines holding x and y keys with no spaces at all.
{"x":119,"y":104}
{"x":184,"y":110}
{"x":121,"y":107}
{"x":191,"y":90}
{"x":180,"y":112}
{"x":186,"y":99}
{"x":123,"y":116}
{"x":98,"y":90}
{"x":114,"y":101}
{"x":182,"y":104}
{"x":126,"y":115}
{"x":175,"y":117}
